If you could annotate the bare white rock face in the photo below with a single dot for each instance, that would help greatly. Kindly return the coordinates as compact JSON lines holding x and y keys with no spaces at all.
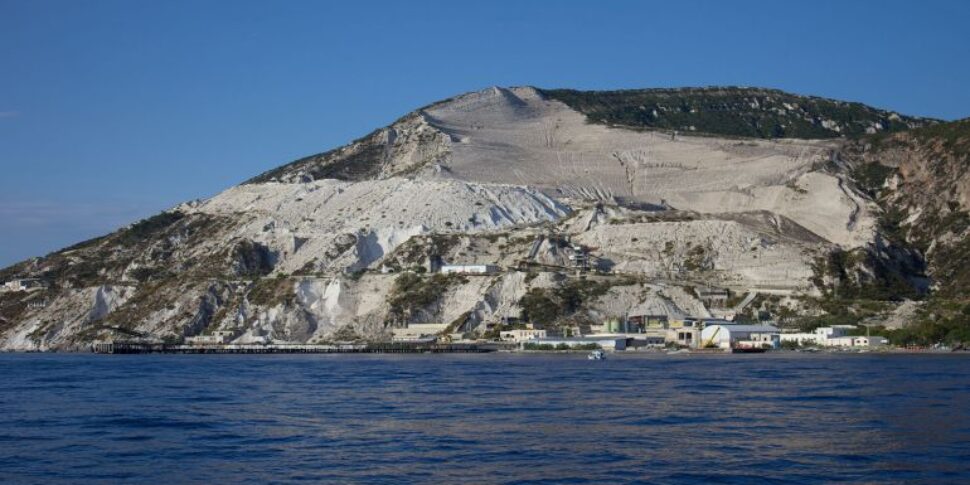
{"x":306,"y":222}
{"x":516,"y":136}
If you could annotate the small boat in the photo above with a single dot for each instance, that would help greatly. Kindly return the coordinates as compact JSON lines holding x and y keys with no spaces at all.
{"x":596,"y":355}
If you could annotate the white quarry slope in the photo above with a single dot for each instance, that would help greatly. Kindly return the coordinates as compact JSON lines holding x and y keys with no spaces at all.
{"x":730,"y":254}
{"x":336,"y":225}
{"x":516,"y":136}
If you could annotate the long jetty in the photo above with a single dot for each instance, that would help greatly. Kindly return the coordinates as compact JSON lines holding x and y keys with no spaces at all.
{"x":371,"y":348}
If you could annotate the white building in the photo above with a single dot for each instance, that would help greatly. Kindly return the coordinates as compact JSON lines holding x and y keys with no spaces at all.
{"x":469,"y":269}
{"x":417,"y":331}
{"x":24,"y":284}
{"x":606,"y":343}
{"x":834,"y":336}
{"x":856,"y":341}
{"x":729,"y":336}
{"x":651,"y":337}
{"x":684,"y":336}
{"x":874,"y":341}
{"x":522,"y":335}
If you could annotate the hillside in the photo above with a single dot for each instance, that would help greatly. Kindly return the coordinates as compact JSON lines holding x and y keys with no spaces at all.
{"x":339,"y":245}
{"x":735,"y":111}
{"x":921,"y":179}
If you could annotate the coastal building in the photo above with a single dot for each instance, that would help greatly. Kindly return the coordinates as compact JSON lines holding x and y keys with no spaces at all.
{"x":649,"y":321}
{"x":730,"y":336}
{"x":655,"y":311}
{"x":522,"y":335}
{"x":604,"y":342}
{"x":833,"y":336}
{"x":684,"y":336}
{"x":469,"y":269}
{"x":873,"y":341}
{"x":205,"y":340}
{"x":650,"y":337}
{"x":416,"y":331}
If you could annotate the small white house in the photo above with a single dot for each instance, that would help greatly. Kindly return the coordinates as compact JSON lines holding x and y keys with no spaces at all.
{"x":469,"y":269}
{"x":728,"y":336}
{"x":874,"y":341}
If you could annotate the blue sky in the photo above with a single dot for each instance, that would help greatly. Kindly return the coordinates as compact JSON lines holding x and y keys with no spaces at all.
{"x":114,"y":110}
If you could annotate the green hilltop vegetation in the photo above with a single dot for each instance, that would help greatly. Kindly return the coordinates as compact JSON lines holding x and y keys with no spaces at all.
{"x":734,"y":111}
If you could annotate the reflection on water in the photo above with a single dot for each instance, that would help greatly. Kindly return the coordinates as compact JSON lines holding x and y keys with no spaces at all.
{"x":486,"y":418}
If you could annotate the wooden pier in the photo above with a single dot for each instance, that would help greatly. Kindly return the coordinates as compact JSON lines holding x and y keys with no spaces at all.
{"x":372,"y":348}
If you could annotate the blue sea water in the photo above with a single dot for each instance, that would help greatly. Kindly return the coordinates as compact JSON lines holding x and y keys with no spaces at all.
{"x":771,"y":418}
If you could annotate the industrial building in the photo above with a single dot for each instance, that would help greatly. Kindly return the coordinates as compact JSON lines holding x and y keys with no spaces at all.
{"x":417,"y":331}
{"x":833,"y":336}
{"x":740,"y":336}
{"x":684,"y":336}
{"x":605,"y":342}
{"x":218,"y":337}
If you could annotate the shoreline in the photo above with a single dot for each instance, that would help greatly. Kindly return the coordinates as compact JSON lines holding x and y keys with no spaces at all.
{"x":384,"y":348}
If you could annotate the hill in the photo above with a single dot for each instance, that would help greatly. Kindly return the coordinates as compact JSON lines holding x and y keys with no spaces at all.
{"x":340,"y":245}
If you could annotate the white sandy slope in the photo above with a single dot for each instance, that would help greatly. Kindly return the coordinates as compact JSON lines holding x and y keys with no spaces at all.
{"x":516,"y":136}
{"x":334,"y":225}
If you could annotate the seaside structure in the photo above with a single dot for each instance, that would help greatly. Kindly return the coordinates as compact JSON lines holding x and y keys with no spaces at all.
{"x":606,"y":342}
{"x":833,"y":336}
{"x":689,"y":337}
{"x":417,"y":331}
{"x":740,"y":336}
{"x":218,"y":337}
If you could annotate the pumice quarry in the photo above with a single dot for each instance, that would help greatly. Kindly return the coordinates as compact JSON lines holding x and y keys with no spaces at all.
{"x":721,"y":219}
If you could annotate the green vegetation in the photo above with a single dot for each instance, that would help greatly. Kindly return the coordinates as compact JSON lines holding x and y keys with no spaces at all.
{"x":546,"y":306}
{"x":731,"y":111}
{"x":696,"y":259}
{"x":148,"y":229}
{"x":871,"y":177}
{"x":360,"y":163}
{"x":861,"y":275}
{"x":413,"y":292}
{"x":272,"y":292}
{"x":251,"y":259}
{"x":953,"y":137}
{"x":939,"y":321}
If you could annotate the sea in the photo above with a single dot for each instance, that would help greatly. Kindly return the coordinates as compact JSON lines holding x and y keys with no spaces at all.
{"x":489,"y":418}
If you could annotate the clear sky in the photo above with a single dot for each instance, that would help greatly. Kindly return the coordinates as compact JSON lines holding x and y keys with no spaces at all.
{"x":111,"y":111}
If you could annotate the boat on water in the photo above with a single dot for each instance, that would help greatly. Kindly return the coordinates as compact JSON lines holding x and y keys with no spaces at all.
{"x":596,"y":355}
